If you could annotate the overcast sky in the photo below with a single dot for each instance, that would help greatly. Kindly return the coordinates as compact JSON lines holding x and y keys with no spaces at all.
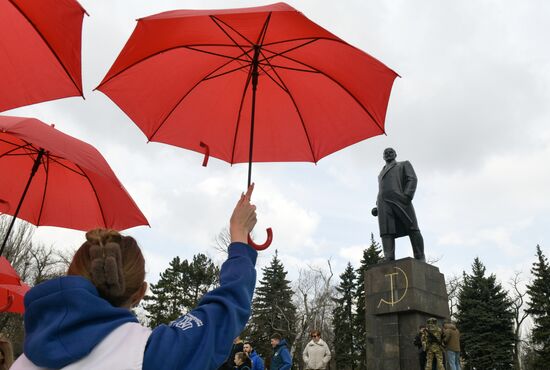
{"x":471,"y":113}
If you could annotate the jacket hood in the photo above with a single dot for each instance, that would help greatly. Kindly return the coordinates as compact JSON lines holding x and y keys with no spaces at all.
{"x":282,"y":343}
{"x":450,"y":326}
{"x":65,"y":318}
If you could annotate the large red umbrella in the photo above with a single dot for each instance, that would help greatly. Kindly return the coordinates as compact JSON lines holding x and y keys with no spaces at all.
{"x":50,"y":178}
{"x":262,"y":84}
{"x":39,"y":51}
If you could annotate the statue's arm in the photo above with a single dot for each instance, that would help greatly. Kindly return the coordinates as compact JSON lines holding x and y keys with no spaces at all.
{"x":410,"y":180}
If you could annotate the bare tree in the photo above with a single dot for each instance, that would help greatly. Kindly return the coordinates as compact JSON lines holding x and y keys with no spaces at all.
{"x":34,"y":263}
{"x":313,"y":299}
{"x":453,"y":286}
{"x":222,"y":241}
{"x":517,"y":295}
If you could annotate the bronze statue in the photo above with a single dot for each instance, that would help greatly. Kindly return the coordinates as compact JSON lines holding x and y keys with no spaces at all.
{"x":396,"y":218}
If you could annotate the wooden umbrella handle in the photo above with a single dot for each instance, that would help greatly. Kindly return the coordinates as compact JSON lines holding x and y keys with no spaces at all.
{"x":261,"y":247}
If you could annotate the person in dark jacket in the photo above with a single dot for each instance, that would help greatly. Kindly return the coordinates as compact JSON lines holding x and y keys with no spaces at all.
{"x":257,"y":362}
{"x":280,"y":359}
{"x":84,"y":320}
{"x":451,"y":340}
{"x":238,"y":346}
{"x":242,"y":362}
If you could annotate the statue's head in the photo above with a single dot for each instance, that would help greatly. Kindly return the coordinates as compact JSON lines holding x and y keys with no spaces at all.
{"x":389,"y":154}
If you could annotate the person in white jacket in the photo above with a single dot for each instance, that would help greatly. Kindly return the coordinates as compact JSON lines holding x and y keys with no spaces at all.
{"x":317,"y":354}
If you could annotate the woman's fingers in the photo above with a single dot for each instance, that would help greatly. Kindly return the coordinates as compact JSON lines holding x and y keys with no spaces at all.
{"x":249,"y":191}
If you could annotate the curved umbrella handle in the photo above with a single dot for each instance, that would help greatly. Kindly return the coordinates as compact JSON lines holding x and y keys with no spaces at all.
{"x":7,"y":305}
{"x":261,"y":247}
{"x":206,"y":153}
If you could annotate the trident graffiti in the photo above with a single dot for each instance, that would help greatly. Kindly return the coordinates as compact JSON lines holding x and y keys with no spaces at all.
{"x":394,"y":296}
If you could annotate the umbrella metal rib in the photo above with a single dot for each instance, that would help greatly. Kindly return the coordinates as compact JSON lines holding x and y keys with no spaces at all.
{"x":35,"y":166}
{"x":42,"y":158}
{"x":95,"y":193}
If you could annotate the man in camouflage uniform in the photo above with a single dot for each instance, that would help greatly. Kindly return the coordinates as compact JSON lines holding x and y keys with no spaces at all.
{"x":431,"y":341}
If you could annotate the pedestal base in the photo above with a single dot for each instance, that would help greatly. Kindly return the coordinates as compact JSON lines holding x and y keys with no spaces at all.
{"x":400,"y":296}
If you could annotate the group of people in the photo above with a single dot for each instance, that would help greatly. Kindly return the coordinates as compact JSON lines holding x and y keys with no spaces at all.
{"x":316,"y":355}
{"x":243,"y":356}
{"x":438,"y":348}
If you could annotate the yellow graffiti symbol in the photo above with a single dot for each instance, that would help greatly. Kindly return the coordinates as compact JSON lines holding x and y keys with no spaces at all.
{"x":393,"y":301}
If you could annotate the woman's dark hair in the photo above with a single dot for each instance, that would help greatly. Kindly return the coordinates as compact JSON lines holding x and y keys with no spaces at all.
{"x":112,"y":262}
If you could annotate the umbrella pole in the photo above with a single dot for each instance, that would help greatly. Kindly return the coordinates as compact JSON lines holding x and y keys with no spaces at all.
{"x":254,"y":87}
{"x":33,"y":171}
{"x":255,"y":74}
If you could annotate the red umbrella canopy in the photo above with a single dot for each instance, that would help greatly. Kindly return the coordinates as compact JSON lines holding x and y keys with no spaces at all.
{"x":73,"y":187}
{"x":8,"y":276}
{"x":39,"y":51}
{"x":12,"y":290}
{"x":12,"y":298}
{"x":184,"y":78}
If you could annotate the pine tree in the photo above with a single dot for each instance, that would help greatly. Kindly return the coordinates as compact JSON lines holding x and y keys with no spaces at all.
{"x":371,"y":256}
{"x":485,"y":321}
{"x":539,"y":309}
{"x":344,"y":337}
{"x":202,"y":275}
{"x":179,"y":288}
{"x":272,"y":309}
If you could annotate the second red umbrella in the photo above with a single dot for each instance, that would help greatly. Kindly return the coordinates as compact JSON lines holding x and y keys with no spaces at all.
{"x":50,"y":178}
{"x":40,"y":55}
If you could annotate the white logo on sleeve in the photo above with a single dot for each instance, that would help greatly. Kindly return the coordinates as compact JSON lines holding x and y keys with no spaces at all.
{"x":186,"y":322}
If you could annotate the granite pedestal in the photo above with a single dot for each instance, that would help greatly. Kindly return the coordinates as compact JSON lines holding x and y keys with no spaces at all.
{"x":400,"y":295}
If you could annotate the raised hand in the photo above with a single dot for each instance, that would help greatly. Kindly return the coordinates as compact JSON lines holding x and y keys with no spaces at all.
{"x":243,"y":218}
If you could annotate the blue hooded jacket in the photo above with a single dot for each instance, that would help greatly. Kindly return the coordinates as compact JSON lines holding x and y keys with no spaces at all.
{"x":65,"y":318}
{"x":281,"y":359}
{"x":257,"y":362}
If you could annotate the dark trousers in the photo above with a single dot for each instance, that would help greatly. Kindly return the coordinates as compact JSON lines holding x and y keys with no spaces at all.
{"x":422,"y":359}
{"x":417,"y":242}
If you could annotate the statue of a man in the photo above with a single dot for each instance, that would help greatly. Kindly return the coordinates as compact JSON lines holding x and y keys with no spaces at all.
{"x":396,"y":218}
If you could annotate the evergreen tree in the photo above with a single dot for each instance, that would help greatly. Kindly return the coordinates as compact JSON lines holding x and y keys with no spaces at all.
{"x":485,"y":320}
{"x":539,"y":309}
{"x":344,"y":337}
{"x":180,"y":288}
{"x":202,"y":275}
{"x":371,"y":256}
{"x":272,"y":309}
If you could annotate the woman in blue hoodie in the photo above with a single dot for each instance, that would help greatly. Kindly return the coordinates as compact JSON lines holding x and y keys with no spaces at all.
{"x":83,"y":320}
